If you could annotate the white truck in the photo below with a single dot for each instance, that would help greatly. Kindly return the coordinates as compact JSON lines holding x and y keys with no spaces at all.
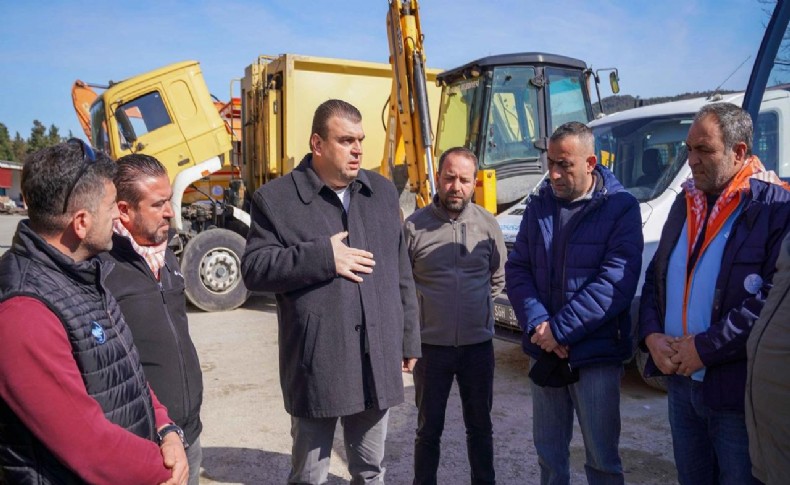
{"x":645,"y":148}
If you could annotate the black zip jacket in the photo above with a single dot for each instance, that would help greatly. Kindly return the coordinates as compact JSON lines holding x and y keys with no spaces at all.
{"x":156,"y":313}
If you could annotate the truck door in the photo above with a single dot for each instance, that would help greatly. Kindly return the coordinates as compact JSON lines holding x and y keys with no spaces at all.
{"x":143,"y":121}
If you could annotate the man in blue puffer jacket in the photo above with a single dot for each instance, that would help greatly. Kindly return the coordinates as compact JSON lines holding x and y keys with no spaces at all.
{"x":570,"y":278}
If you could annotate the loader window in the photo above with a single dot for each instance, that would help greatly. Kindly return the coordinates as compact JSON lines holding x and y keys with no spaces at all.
{"x":141,"y":116}
{"x":566,"y":97}
{"x":512,"y":125}
{"x":459,"y":116}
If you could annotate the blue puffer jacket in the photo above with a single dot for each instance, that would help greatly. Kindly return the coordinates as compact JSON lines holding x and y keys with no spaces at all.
{"x":751,"y":249}
{"x":603,"y":258}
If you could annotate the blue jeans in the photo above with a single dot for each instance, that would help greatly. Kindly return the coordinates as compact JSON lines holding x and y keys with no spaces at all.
{"x":473,"y":367}
{"x":595,"y":398}
{"x":710,"y":447}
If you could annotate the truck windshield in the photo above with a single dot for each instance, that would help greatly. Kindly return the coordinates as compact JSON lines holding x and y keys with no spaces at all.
{"x":647,"y":153}
{"x":644,"y":153}
{"x":99,"y":138}
{"x":513,"y":125}
{"x":98,"y":126}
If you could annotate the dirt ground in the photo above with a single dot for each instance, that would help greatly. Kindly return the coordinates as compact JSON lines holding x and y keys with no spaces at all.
{"x":246,"y":436}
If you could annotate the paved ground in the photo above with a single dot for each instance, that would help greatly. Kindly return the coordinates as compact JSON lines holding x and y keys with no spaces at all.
{"x":246,"y":436}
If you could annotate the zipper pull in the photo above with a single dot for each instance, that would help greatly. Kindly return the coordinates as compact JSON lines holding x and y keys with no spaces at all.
{"x":463,"y":238}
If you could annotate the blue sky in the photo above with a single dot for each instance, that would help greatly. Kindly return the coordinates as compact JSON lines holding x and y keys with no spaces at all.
{"x":660,"y":47}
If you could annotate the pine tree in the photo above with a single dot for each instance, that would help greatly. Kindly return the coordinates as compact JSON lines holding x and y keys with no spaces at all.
{"x":19,"y":147}
{"x":38,"y":137}
{"x":6,"y":149}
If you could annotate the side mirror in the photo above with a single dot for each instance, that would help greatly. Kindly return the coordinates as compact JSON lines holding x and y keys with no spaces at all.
{"x":614,"y":81}
{"x":125,"y":127}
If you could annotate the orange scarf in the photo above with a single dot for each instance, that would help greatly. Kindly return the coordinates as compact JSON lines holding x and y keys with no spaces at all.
{"x":697,"y":208}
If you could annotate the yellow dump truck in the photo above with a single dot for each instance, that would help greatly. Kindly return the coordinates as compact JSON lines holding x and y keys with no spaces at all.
{"x":502,"y":107}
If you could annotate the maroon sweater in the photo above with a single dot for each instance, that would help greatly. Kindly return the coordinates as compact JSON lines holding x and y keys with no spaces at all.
{"x":40,"y":382}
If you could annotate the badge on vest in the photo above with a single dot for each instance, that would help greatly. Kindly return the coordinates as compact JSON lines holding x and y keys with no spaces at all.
{"x":752,"y":283}
{"x":98,"y":333}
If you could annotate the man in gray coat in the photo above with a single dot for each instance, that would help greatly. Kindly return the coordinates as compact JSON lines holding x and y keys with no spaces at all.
{"x":326,"y":239}
{"x":768,"y":380}
{"x":458,"y":254}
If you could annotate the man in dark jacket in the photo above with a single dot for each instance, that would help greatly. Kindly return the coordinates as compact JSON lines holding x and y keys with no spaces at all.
{"x":326,"y":239}
{"x":75,"y":406}
{"x":148,"y":285}
{"x":704,"y":289}
{"x":458,"y":255}
{"x":768,"y":382}
{"x":570,"y":278}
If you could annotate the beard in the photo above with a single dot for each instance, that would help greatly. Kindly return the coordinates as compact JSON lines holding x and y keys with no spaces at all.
{"x":147,"y":236}
{"x":454,"y":205}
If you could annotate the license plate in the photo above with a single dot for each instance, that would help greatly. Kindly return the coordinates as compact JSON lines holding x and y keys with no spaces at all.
{"x":504,"y":314}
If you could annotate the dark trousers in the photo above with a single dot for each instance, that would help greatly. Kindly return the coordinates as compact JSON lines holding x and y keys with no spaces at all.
{"x":473,"y":367}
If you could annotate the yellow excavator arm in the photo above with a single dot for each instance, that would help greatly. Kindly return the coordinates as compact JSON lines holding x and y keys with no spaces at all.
{"x":409,"y":136}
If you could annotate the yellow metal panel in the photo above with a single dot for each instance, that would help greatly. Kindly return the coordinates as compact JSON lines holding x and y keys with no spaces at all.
{"x":485,"y":190}
{"x":309,"y":81}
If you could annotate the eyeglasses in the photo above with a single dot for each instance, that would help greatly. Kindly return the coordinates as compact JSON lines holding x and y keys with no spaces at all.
{"x":88,"y":159}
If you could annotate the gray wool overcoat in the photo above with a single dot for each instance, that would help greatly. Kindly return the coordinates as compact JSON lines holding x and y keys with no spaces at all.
{"x":320,"y":315}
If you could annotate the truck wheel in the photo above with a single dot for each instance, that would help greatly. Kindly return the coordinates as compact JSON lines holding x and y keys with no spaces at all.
{"x":211,"y":265}
{"x":659,"y":383}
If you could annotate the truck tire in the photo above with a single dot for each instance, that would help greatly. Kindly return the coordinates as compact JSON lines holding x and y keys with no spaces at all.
{"x":211,"y":265}
{"x":658,"y":383}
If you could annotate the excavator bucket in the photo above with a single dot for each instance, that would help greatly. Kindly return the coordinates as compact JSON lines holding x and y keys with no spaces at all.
{"x":83,"y":96}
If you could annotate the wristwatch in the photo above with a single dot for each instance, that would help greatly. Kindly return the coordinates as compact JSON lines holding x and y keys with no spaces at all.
{"x":171,"y":428}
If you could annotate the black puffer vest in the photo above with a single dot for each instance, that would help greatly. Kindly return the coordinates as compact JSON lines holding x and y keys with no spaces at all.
{"x":101,"y":343}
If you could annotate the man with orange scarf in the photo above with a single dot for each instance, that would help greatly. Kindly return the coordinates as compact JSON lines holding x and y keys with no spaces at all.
{"x":704,"y":290}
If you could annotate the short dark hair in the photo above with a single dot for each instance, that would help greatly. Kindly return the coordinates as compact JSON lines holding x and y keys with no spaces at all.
{"x":577,"y":129}
{"x":460,"y":151}
{"x":47,"y":175}
{"x":131,"y":168}
{"x":734,"y":122}
{"x":330,"y":108}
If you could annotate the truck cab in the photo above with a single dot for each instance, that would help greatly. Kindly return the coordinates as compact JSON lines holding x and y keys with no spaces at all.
{"x":166,"y":113}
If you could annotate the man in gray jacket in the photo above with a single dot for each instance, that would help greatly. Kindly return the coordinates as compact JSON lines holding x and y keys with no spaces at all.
{"x":458,"y":255}
{"x":326,"y":239}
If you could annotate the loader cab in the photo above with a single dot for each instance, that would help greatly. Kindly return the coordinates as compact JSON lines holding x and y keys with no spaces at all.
{"x":505,"y":107}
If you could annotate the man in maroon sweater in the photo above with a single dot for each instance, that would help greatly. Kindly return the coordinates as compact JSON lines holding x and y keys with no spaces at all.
{"x":74,"y":403}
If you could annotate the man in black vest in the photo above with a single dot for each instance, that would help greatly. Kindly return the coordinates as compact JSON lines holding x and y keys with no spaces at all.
{"x":75,"y":406}
{"x":148,"y":284}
